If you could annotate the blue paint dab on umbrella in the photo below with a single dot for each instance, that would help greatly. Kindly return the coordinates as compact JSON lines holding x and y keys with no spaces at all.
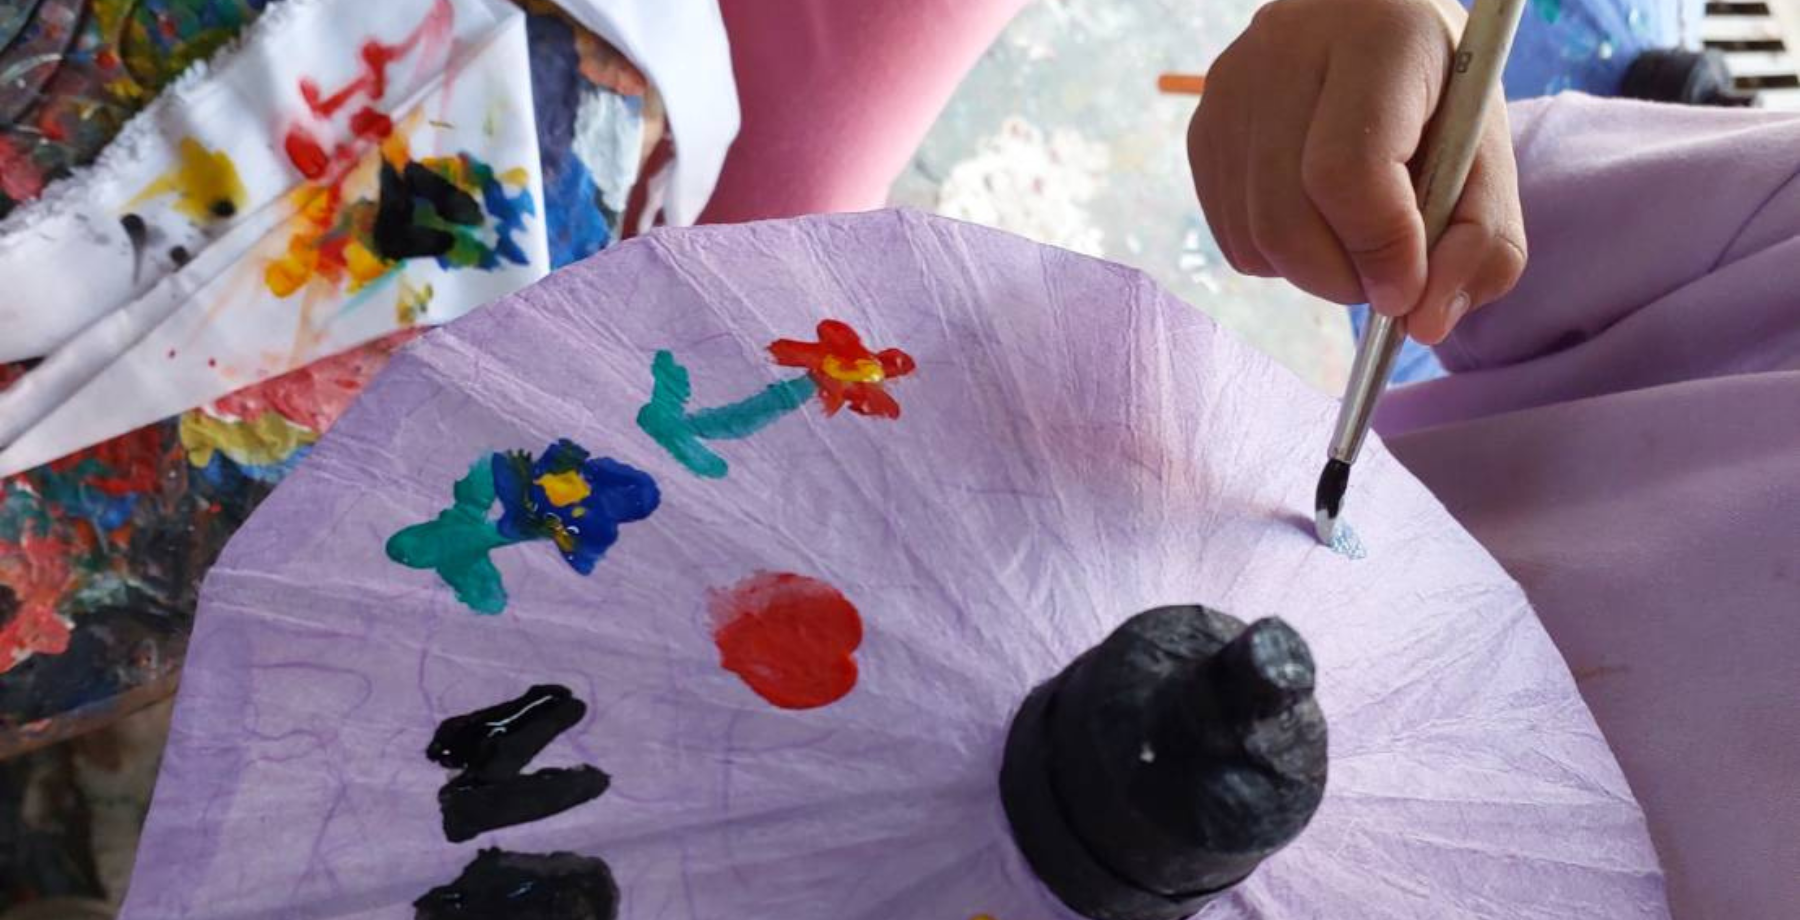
{"x":1346,"y":543}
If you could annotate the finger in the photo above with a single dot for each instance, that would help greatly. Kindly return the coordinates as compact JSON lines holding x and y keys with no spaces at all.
{"x":1217,"y":154}
{"x":1286,"y":228}
{"x":1379,"y":90}
{"x":1439,"y":314}
{"x":1482,"y":253}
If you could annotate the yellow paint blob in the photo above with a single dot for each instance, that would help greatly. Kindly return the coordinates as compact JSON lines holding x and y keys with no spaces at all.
{"x":862,"y":370}
{"x":268,"y":440}
{"x":285,"y":275}
{"x":205,"y":184}
{"x":517,"y":175}
{"x":364,"y":265}
{"x":412,"y":303}
{"x":564,"y":488}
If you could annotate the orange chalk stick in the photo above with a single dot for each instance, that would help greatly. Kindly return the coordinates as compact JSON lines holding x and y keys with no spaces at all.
{"x":1184,"y":84}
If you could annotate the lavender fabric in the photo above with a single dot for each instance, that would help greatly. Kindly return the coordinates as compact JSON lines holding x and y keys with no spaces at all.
{"x":1074,"y":445}
{"x":1623,"y":433}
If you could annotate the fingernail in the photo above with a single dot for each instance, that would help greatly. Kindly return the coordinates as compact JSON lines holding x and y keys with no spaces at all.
{"x":1459,"y":305}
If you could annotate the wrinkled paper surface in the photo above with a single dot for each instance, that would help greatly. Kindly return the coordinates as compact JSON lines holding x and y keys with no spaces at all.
{"x":1075,"y":446}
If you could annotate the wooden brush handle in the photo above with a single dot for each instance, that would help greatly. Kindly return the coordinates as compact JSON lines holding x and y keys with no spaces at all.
{"x":1455,"y":130}
{"x":1449,"y":144}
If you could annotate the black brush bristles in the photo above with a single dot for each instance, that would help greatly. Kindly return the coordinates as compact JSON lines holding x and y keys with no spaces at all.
{"x":1328,"y":501}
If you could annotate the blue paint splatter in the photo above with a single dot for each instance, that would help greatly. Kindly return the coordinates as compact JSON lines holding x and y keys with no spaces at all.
{"x":574,"y":220}
{"x":1346,"y":543}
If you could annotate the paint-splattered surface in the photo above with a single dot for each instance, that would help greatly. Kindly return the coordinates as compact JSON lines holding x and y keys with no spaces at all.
{"x":72,"y":72}
{"x":101,"y":553}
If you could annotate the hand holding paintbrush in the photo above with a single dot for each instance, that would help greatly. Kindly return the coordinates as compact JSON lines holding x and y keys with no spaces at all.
{"x":1338,"y":143}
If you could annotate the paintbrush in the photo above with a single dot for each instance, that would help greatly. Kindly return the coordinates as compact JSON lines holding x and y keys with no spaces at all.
{"x":1449,"y":151}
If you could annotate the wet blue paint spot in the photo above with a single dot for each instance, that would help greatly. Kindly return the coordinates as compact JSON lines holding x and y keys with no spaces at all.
{"x":1346,"y":543}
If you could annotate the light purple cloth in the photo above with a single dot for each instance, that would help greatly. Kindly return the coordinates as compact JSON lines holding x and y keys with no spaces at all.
{"x":1623,"y":433}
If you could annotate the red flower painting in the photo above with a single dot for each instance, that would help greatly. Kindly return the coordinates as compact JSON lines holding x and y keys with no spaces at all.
{"x":845,"y":371}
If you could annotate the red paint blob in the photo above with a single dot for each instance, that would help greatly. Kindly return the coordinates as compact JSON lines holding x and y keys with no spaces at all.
{"x":370,"y":123}
{"x":19,"y":177}
{"x":433,"y":32}
{"x":306,"y":154}
{"x":38,"y":574}
{"x":789,"y":637}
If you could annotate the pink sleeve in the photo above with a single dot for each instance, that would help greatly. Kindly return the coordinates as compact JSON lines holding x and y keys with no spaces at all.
{"x":1665,"y":246}
{"x":837,"y":94}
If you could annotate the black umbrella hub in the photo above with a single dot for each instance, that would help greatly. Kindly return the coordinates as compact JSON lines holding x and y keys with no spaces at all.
{"x":1165,"y":764}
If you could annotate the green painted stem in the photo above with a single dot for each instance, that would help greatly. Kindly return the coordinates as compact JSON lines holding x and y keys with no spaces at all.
{"x":746,"y":417}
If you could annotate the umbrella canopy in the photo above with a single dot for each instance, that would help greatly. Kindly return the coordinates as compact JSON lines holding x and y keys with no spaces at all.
{"x":748,"y":543}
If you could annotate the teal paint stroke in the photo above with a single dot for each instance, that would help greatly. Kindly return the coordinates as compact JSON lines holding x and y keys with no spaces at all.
{"x":456,"y":544}
{"x":666,"y":419}
{"x":1548,"y":10}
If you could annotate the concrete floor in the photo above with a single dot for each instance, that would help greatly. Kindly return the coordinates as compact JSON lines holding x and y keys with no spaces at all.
{"x":1060,"y":135}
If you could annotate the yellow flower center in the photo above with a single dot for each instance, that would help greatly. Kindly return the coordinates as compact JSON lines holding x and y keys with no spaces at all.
{"x":862,"y":370}
{"x":564,"y":488}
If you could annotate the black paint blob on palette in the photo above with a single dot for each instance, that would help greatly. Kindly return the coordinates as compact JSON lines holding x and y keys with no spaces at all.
{"x":399,"y":231}
{"x":139,"y":234}
{"x":492,"y":746}
{"x":525,"y":886}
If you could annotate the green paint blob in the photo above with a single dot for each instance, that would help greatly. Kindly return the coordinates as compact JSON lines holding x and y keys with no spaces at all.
{"x":457,"y":543}
{"x":666,"y":419}
{"x":1548,"y":10}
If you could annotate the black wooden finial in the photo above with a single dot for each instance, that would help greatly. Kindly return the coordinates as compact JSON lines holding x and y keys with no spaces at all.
{"x":1163,"y":765}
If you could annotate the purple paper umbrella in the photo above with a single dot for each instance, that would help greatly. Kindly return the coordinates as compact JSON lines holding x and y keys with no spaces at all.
{"x":705,"y":579}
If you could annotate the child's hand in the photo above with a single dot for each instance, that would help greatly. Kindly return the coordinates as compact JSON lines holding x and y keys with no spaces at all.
{"x":1300,"y":149}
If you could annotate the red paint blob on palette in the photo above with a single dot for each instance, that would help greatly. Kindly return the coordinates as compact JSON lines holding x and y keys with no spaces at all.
{"x":371,"y":124}
{"x":789,"y":637}
{"x":306,"y":154}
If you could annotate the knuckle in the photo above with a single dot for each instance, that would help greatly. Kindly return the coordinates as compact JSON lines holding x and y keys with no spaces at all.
{"x":1382,"y":240}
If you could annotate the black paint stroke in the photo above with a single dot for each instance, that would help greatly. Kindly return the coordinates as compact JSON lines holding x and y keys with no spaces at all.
{"x":473,"y":806}
{"x":491,"y":746}
{"x":139,"y":235}
{"x":399,"y":234}
{"x":499,"y":885}
{"x":180,"y":256}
